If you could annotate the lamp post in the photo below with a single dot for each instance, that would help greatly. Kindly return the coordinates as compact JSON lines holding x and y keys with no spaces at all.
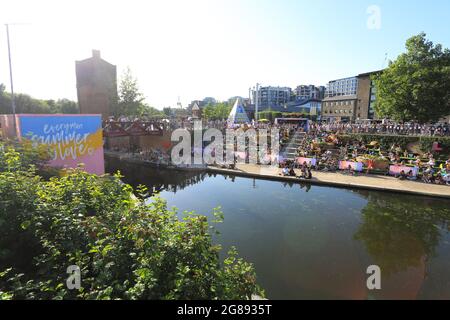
{"x":13,"y":98}
{"x":13,"y":102}
{"x":256,"y":102}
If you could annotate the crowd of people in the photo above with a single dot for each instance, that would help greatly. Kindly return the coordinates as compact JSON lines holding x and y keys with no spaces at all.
{"x":324,"y":145}
{"x":392,"y":128}
{"x":376,"y":127}
{"x":154,"y":155}
{"x":380,"y":127}
{"x":305,"y":170}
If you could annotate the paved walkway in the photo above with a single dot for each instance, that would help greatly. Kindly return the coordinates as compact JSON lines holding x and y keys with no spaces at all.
{"x":373,"y":182}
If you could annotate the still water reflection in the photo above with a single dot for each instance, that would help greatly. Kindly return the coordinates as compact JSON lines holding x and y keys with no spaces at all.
{"x":309,"y":242}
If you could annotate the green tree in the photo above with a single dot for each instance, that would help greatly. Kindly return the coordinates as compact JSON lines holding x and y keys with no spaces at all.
{"x":126,"y":248}
{"x":24,"y":103}
{"x":180,"y":112}
{"x":67,"y":106}
{"x":168,"y":112}
{"x":28,"y":104}
{"x":131,"y":100}
{"x":223,"y":110}
{"x":216,"y":111}
{"x":416,"y":86}
{"x":152,"y":112}
{"x":208,"y":112}
{"x":5,"y":100}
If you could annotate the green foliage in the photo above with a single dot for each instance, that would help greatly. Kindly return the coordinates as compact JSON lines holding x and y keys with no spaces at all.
{"x":131,"y":100}
{"x":152,"y":112}
{"x":63,"y":106}
{"x":417,"y":85}
{"x":426,"y":143}
{"x":126,"y":248}
{"x":27,"y":104}
{"x":217,"y":111}
{"x":295,"y":115}
{"x":169,"y":112}
{"x":22,"y":156}
{"x":269,"y":115}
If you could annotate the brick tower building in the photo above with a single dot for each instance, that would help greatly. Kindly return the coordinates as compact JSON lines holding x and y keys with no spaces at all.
{"x":96,"y":85}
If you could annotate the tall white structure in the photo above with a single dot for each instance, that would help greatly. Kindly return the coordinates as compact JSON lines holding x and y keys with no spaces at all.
{"x":238,"y":115}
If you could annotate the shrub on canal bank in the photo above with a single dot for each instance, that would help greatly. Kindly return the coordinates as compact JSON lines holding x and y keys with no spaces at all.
{"x":125,"y":249}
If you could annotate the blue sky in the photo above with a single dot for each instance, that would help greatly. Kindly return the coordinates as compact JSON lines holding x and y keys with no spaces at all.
{"x":218,"y":48}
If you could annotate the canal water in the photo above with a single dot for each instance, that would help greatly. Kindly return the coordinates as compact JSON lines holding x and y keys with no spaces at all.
{"x":315,"y":242}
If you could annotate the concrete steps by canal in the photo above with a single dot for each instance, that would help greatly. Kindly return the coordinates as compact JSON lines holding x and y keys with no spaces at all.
{"x":290,"y":151}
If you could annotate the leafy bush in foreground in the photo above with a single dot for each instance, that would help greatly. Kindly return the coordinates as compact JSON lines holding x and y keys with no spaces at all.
{"x":126,"y":249}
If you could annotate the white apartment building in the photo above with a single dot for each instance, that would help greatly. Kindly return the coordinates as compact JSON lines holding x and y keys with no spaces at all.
{"x":272,"y":96}
{"x":342,"y":87}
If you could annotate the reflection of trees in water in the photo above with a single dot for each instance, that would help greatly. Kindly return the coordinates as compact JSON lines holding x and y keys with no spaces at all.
{"x":401,"y":231}
{"x":155,"y":179}
{"x":183,"y":180}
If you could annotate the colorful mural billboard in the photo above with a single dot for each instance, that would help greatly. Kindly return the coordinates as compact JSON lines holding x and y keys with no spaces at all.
{"x":395,"y":170}
{"x":310,"y":161}
{"x":357,"y":166}
{"x":73,"y":139}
